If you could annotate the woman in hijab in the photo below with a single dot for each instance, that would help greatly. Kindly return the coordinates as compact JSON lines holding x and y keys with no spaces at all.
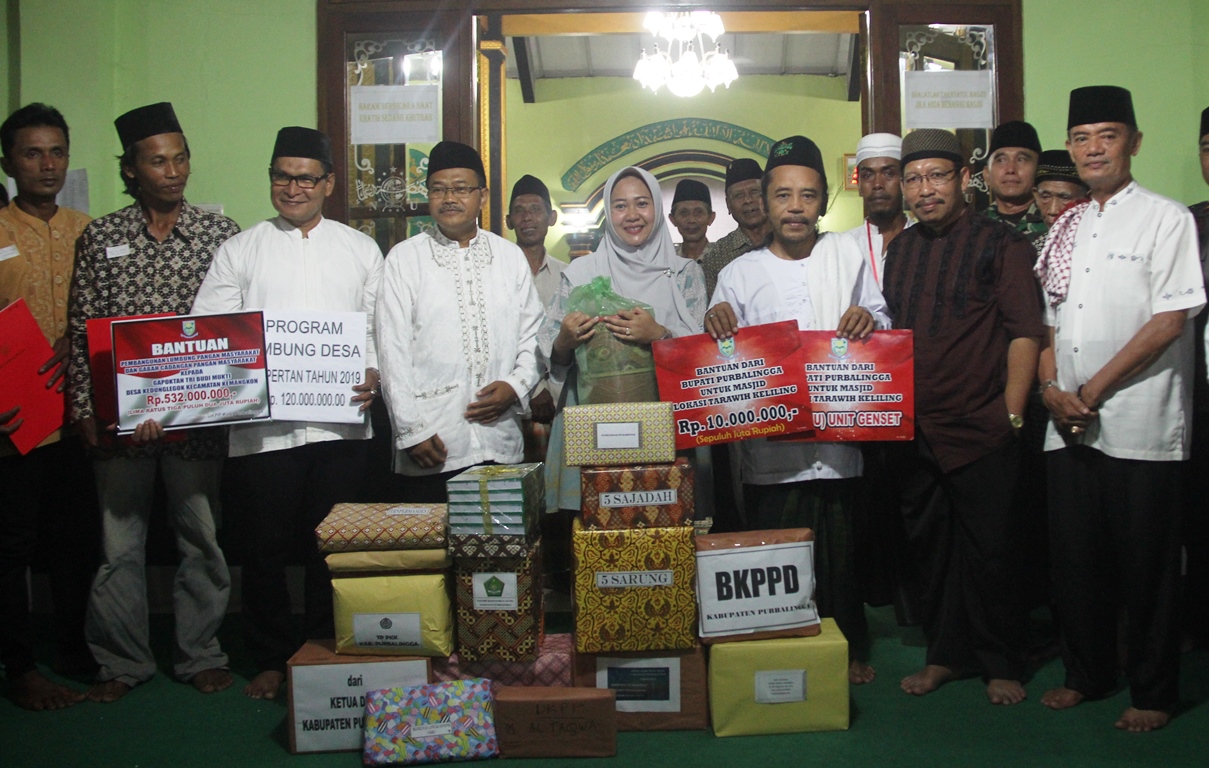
{"x":639,"y":258}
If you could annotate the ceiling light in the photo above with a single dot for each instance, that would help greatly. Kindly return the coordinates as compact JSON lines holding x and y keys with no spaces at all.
{"x":685,"y":74}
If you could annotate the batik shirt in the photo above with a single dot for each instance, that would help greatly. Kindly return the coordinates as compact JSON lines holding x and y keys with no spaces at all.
{"x":123,"y":270}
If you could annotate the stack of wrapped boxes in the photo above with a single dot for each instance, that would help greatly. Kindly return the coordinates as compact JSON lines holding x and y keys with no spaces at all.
{"x":634,"y":566}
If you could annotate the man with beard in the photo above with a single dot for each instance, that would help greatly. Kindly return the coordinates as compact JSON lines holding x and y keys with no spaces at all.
{"x":457,"y":320}
{"x":963,"y":284}
{"x":878,"y":173}
{"x":746,"y":207}
{"x":692,"y":214}
{"x":1010,"y":172}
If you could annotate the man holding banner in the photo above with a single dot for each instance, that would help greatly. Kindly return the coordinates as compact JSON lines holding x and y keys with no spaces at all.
{"x":824,"y":283}
{"x":963,"y":284}
{"x":295,"y":471}
{"x":149,"y":258}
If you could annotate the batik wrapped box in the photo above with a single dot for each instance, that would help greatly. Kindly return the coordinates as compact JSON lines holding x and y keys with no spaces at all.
{"x":633,"y":589}
{"x":391,"y":614}
{"x":552,"y":667}
{"x":368,"y":527}
{"x":784,"y":685}
{"x":641,"y":496}
{"x":619,"y":434}
{"x":499,"y":607}
{"x":478,"y":545}
{"x":434,"y":723}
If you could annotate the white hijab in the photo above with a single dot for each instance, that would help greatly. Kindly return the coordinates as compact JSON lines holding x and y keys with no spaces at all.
{"x":646,"y":273}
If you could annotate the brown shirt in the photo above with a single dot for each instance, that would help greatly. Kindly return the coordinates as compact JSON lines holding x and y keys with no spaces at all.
{"x":967,"y":293}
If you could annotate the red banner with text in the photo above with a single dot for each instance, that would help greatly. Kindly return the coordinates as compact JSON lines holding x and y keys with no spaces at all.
{"x":860,"y":390}
{"x":750,"y":385}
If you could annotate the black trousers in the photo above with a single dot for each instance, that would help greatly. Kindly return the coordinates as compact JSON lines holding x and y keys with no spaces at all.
{"x":49,"y":499}
{"x":288,"y":493}
{"x":963,"y":548}
{"x":1115,"y":540}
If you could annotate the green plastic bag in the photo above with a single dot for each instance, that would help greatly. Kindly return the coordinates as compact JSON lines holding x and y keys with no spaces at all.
{"x":611,"y":370}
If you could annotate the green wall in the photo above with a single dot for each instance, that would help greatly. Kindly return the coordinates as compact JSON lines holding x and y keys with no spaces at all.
{"x":1158,"y":50}
{"x":235,"y":71}
{"x":573,"y":116}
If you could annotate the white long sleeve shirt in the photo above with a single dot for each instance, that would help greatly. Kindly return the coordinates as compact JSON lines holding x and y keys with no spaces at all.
{"x":334,"y":268}
{"x":763,"y":288}
{"x":451,"y":321}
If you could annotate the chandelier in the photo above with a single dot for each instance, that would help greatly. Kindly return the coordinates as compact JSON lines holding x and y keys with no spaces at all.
{"x":686,"y":74}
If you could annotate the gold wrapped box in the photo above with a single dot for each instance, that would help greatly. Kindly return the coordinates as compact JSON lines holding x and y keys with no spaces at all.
{"x":785,"y":685}
{"x":618,"y":434}
{"x":392,"y":614}
{"x":634,"y":589}
{"x":389,"y":560}
{"x":642,"y":496}
{"x":370,"y":527}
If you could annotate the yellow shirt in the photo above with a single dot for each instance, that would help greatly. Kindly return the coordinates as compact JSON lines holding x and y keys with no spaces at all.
{"x":36,"y":260}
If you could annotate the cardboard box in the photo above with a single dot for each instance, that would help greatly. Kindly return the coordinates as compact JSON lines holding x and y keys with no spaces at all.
{"x":497,"y":499}
{"x":555,"y":722}
{"x":384,"y":614}
{"x":786,"y":685}
{"x":499,"y":607}
{"x":552,"y":668}
{"x":389,"y":560}
{"x":642,"y":496}
{"x":633,"y":590}
{"x":619,"y":434}
{"x":756,"y":585}
{"x":487,"y":545}
{"x":327,"y":694}
{"x":435,"y":723}
{"x":368,"y":527}
{"x":656,"y":691}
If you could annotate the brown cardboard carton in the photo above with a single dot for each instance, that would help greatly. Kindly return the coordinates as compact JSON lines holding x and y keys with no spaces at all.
{"x":655,"y":690}
{"x":555,"y":722}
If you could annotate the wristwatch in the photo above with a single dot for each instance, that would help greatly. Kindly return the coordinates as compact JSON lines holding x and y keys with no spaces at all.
{"x":1016,"y":420}
{"x":1048,"y":383}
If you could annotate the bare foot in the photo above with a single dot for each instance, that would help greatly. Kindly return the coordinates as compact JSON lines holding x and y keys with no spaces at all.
{"x":108,"y":691}
{"x":266,"y":685}
{"x":212,"y":680}
{"x":1143,"y":720}
{"x":1005,"y":691}
{"x":926,"y":680}
{"x":35,"y":691}
{"x":860,"y":673}
{"x":1062,"y":698}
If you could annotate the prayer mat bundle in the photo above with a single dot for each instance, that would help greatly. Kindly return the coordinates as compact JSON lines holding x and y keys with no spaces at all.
{"x":403,"y":613}
{"x":434,"y":723}
{"x":784,"y":685}
{"x":327,"y":694}
{"x":552,"y":668}
{"x":633,"y":589}
{"x":555,"y":722}
{"x":619,"y":434}
{"x":497,"y":499}
{"x":499,"y":606}
{"x":756,"y":585}
{"x":655,"y":690}
{"x":378,"y":527}
{"x":641,"y":496}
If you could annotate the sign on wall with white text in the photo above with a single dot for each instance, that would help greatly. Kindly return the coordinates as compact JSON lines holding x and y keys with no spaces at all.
{"x":394,"y":114}
{"x":950,"y":99}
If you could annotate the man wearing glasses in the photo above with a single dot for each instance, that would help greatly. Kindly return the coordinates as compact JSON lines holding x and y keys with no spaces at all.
{"x":878,"y":171}
{"x":292,"y":472}
{"x":457,"y":335}
{"x":963,"y":284}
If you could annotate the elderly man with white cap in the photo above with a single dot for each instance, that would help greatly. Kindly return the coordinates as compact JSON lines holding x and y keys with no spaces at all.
{"x":877,"y":172}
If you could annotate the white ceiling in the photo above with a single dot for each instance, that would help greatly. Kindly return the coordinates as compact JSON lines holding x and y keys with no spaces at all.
{"x":757,"y":53}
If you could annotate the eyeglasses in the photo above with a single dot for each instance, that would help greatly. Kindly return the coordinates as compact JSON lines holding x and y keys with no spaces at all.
{"x":935,"y":178}
{"x":279,"y":179}
{"x":1062,"y":197}
{"x":461,"y":192}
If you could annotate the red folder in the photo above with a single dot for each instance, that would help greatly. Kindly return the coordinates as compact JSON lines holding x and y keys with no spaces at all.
{"x":24,"y":350}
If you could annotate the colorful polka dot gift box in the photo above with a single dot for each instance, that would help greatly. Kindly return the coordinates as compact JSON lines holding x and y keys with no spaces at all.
{"x":435,"y":723}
